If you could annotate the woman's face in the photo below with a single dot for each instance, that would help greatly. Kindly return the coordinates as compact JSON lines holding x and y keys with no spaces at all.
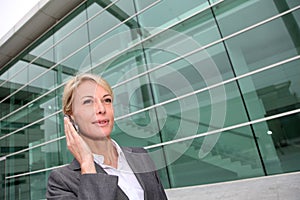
{"x":92,"y":110}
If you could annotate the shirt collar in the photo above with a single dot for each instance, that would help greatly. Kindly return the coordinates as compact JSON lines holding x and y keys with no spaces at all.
{"x":99,"y":159}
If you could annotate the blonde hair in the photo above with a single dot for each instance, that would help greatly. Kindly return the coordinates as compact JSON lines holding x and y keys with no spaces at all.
{"x":71,"y":85}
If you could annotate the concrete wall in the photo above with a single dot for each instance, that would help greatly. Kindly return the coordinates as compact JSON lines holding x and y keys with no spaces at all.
{"x":277,"y":187}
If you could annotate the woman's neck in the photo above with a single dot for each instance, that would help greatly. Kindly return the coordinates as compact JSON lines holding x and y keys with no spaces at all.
{"x":105,"y":148}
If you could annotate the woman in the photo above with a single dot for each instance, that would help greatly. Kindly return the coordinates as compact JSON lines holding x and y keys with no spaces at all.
{"x":101,"y":169}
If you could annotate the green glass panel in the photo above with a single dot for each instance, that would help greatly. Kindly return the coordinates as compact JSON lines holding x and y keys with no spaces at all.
{"x":202,"y":112}
{"x":14,"y":93}
{"x":119,"y":45}
{"x":272,"y":91}
{"x":143,"y":5}
{"x":278,"y":140}
{"x":42,"y":54}
{"x":233,"y":156}
{"x":129,"y":95}
{"x":40,"y":79}
{"x":234,"y":16}
{"x":18,"y":188}
{"x":78,"y":62}
{"x":196,"y":72}
{"x":38,"y":185}
{"x":133,"y":127}
{"x":192,"y":33}
{"x":110,"y":15}
{"x":168,"y":12}
{"x":262,"y":46}
{"x":49,"y":155}
{"x":18,"y":163}
{"x":40,"y":59}
{"x":71,"y":48}
{"x":36,"y":131}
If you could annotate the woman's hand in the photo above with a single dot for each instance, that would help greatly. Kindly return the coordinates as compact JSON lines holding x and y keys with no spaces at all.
{"x":79,"y":148}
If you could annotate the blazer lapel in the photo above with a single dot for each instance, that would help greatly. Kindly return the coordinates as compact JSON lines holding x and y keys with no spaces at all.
{"x":134,"y":164}
{"x":140,"y":165}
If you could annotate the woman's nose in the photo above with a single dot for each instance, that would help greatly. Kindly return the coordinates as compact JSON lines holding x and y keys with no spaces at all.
{"x":100,"y":108}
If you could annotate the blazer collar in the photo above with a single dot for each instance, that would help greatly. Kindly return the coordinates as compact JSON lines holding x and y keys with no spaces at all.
{"x":75,"y":166}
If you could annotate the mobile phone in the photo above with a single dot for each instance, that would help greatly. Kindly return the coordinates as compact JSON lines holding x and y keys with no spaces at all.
{"x":73,"y":123}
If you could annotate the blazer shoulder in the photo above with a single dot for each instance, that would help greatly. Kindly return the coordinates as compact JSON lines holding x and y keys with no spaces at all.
{"x":67,"y":171}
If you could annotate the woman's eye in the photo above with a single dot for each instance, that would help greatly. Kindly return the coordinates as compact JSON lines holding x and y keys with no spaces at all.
{"x":88,"y":101}
{"x":107,"y":100}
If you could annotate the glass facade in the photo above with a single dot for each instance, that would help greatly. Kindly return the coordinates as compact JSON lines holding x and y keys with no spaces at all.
{"x":210,"y":88}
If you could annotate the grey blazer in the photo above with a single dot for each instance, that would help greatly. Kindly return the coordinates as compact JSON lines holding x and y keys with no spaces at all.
{"x":68,"y":183}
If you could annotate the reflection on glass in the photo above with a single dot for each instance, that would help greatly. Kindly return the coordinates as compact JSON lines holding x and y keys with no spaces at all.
{"x":279,"y":141}
{"x":18,"y":188}
{"x":248,"y":50}
{"x":37,"y":188}
{"x":274,"y":91}
{"x":233,"y":157}
{"x":162,"y":15}
{"x":17,"y":164}
{"x":234,"y":16}
{"x":65,"y":50}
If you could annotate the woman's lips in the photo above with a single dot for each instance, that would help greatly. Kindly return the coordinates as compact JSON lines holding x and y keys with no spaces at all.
{"x":102,"y":122}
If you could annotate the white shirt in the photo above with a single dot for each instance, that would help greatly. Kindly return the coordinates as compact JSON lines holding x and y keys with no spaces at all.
{"x":127,"y":179}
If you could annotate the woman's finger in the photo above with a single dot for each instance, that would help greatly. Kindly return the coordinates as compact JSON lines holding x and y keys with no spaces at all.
{"x":75,"y":143}
{"x":69,"y":132}
{"x":67,"y":129}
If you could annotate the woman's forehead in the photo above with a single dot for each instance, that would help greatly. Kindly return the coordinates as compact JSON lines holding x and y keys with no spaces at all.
{"x":90,"y":88}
